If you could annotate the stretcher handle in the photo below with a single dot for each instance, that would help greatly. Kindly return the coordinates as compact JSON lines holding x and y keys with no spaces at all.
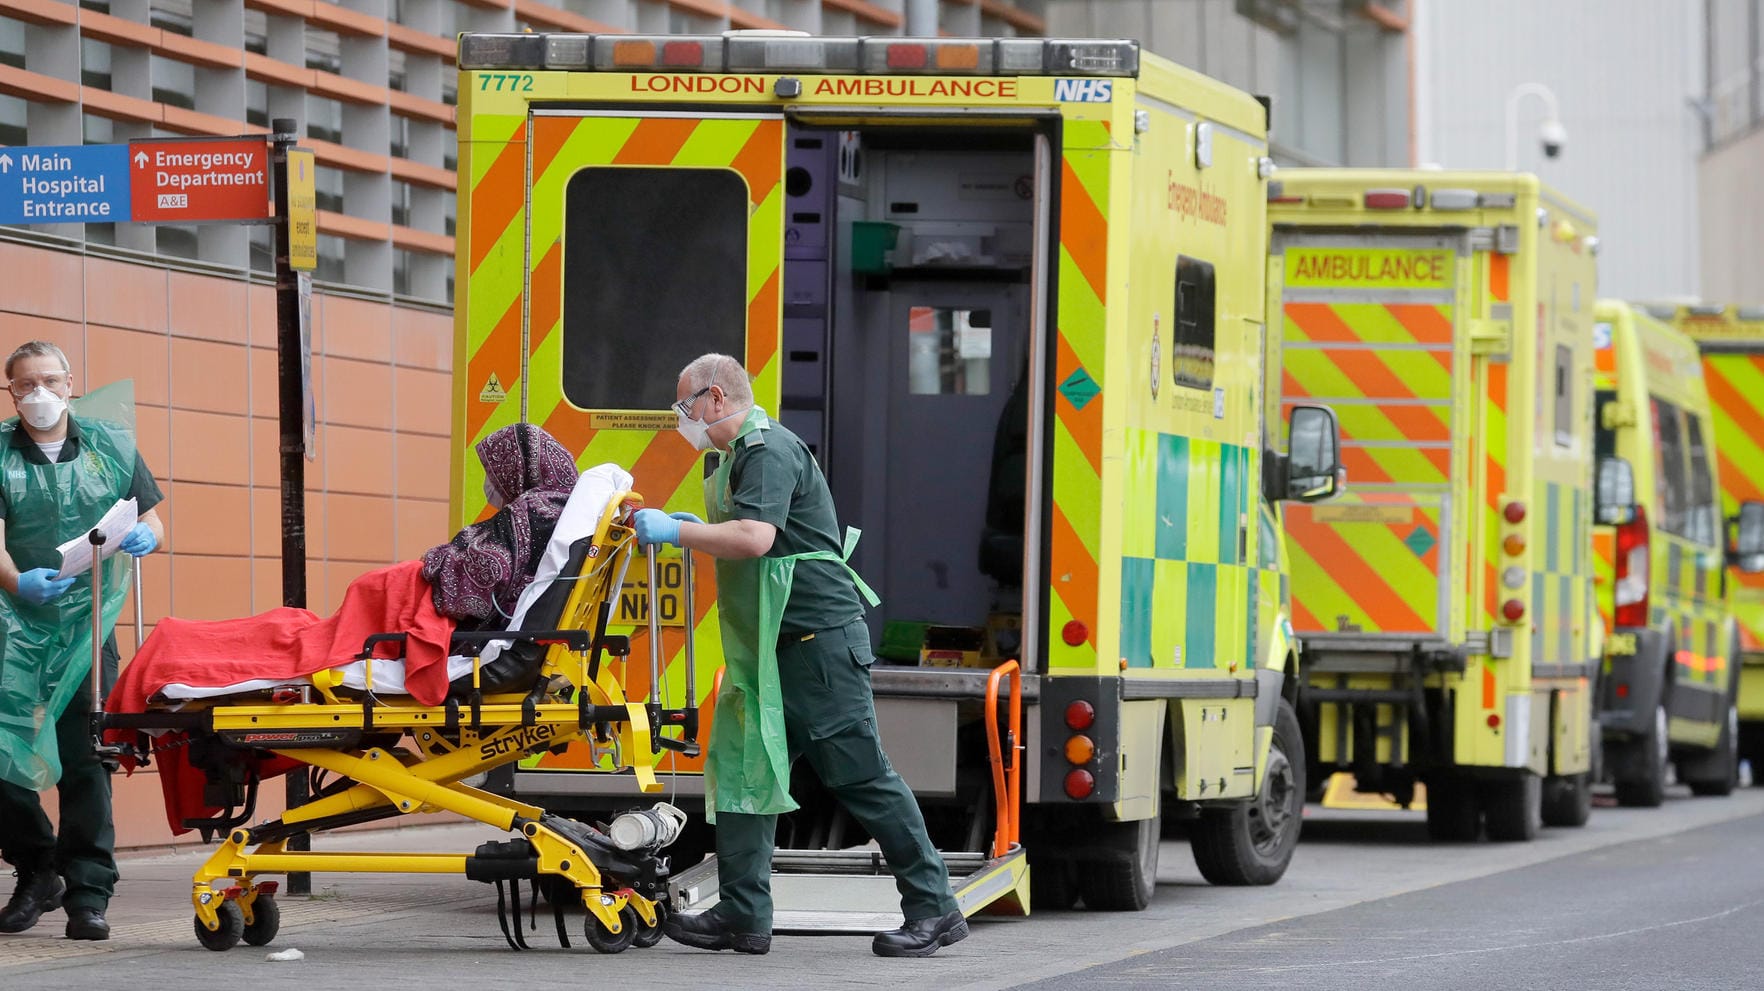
{"x":649,"y":554}
{"x":691,"y":621}
{"x":96,"y":538}
{"x":140,"y":627}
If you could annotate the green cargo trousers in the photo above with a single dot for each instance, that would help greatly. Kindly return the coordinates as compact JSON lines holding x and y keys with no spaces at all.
{"x":84,"y":853}
{"x":830,"y":718}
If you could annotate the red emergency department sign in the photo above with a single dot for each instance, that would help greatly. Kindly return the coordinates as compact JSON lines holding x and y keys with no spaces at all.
{"x":173,"y":181}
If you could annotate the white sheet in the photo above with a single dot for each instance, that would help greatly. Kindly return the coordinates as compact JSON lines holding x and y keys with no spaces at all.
{"x":595,"y":490}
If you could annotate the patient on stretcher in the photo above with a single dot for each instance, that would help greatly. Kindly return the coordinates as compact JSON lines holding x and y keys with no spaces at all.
{"x":482,"y":579}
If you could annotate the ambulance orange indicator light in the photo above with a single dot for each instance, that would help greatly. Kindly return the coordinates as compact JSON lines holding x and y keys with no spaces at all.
{"x":1080,"y":715}
{"x":1514,"y":512}
{"x":633,"y":53}
{"x":1513,"y":610}
{"x":1074,"y":633}
{"x":1514,"y":545}
{"x":1080,"y":750}
{"x":958,"y":56}
{"x":1079,"y":783}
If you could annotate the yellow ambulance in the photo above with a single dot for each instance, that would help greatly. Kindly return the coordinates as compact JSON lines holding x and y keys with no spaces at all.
{"x":1731,"y":339}
{"x":1444,"y":605}
{"x":1669,"y":685}
{"x":1010,"y":292}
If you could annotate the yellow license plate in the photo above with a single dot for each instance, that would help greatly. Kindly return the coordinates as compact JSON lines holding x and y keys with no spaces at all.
{"x":633,"y":608}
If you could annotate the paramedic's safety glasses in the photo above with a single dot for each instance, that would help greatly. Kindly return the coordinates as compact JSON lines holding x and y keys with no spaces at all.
{"x":25,"y":385}
{"x":684,"y":406}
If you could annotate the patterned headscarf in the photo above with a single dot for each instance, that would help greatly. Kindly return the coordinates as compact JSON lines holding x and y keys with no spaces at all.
{"x":479,"y":574}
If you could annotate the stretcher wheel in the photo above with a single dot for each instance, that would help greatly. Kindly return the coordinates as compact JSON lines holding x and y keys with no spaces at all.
{"x":648,"y":936}
{"x":266,"y":921}
{"x":232,"y":926}
{"x":608,"y":942}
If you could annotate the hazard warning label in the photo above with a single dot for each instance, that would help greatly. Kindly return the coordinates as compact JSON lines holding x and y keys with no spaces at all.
{"x":493,"y":392}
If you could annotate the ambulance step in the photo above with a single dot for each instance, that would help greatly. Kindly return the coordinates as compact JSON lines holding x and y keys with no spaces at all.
{"x":830,"y":892}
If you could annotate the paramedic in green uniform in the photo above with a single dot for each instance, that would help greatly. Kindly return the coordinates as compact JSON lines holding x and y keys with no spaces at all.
{"x":797,"y":672}
{"x":59,"y":473}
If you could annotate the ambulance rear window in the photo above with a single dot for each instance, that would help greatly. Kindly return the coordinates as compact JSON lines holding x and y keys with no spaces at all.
{"x":1193,"y":336}
{"x":654,"y":275}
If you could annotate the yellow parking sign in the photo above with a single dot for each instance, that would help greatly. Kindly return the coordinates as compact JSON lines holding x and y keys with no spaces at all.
{"x":302,"y":210}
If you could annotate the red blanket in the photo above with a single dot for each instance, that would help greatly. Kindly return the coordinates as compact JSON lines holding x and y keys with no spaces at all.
{"x":282,"y":644}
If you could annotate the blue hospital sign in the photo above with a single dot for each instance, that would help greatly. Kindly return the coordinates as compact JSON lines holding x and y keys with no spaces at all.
{"x":76,"y":184}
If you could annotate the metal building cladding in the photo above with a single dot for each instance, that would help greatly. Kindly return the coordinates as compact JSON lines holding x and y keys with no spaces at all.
{"x":1444,"y":605}
{"x":1671,"y":658}
{"x":1731,"y":339}
{"x":1153,"y":603}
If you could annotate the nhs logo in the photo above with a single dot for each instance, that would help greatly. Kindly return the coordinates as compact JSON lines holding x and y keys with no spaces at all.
{"x":1084,"y":90}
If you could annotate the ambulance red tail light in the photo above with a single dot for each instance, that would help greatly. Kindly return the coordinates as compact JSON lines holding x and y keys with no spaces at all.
{"x":1080,"y":715}
{"x":1387,"y":199}
{"x":662,"y":51}
{"x":885,"y":55}
{"x":1630,"y":596}
{"x":1079,"y":783}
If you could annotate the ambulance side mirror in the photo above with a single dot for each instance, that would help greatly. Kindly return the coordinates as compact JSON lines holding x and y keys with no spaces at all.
{"x":1313,"y":469}
{"x":1615,"y":493}
{"x":1746,"y":547}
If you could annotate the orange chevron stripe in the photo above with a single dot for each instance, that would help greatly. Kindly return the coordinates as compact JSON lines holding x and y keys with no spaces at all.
{"x":497,"y":199}
{"x":1372,"y":593}
{"x":1361,"y":467}
{"x":664,"y":464}
{"x":655,"y":141}
{"x":1084,"y":231}
{"x":1074,"y":573}
{"x":550,"y":134}
{"x":570,"y":428}
{"x":763,"y":328}
{"x":1498,"y":276}
{"x":1402,"y":531}
{"x":1302,"y":618}
{"x":761,"y":160}
{"x":1735,"y":481}
{"x":1734,"y":403}
{"x":499,"y":354}
{"x":547,"y":289}
{"x":1497,"y":385}
{"x":1291,"y":386}
{"x":1084,"y":424}
{"x":1321,"y":324}
{"x":1427,"y":323}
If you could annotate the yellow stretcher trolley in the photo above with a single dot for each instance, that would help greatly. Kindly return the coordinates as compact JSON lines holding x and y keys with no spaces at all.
{"x":387,"y":755}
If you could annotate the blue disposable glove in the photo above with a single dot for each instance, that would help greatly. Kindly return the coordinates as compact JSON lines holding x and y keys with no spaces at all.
{"x":657,"y":527}
{"x":684,"y":517}
{"x":139,"y":541}
{"x":39,"y":585}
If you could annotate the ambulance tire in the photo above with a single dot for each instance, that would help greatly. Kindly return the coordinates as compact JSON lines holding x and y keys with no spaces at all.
{"x":1512,"y":808}
{"x":1567,"y":800}
{"x":1723,"y":762}
{"x":1646,"y":790}
{"x":1453,"y":813}
{"x":1252,"y":843}
{"x":1120,"y":872}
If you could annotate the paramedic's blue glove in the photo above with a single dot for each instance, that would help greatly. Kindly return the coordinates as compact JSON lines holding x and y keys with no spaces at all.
{"x":39,"y":586}
{"x":657,"y":527}
{"x":684,"y":517}
{"x":139,"y":541}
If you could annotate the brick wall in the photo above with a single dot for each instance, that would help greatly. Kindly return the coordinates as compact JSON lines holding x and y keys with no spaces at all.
{"x":201,"y":350}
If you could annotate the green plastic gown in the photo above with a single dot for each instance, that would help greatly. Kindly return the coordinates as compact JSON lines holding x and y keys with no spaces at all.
{"x":747,"y":762}
{"x":48,"y":649}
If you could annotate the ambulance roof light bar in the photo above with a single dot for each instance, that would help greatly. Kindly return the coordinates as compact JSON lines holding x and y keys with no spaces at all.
{"x":794,"y":52}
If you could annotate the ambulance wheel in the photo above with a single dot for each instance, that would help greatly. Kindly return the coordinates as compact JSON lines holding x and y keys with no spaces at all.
{"x":266,"y":921}
{"x":648,"y":936}
{"x":611,"y":942}
{"x":1453,"y":814}
{"x":1648,"y":755}
{"x":1567,"y":800}
{"x":1723,"y":762}
{"x":1253,"y":842}
{"x":232,"y":926}
{"x":1120,"y":872}
{"x":1512,"y":808}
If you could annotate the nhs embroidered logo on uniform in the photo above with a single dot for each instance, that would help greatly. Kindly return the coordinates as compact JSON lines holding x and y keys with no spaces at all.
{"x":1084,"y":90}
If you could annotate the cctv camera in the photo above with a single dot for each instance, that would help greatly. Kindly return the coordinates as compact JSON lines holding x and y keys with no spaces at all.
{"x":1553,"y":136}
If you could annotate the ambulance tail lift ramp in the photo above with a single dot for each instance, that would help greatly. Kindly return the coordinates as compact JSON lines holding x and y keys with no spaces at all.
{"x":1445,"y":605}
{"x":1010,"y":292}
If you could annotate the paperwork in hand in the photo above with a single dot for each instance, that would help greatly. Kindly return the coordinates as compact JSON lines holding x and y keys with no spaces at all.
{"x":76,"y":554}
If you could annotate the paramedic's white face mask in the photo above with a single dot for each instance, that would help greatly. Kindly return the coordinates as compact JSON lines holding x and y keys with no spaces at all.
{"x":491,"y":496}
{"x":697,"y":432}
{"x":42,"y":409}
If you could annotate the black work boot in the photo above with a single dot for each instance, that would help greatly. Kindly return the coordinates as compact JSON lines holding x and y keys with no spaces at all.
{"x":39,"y":890}
{"x":707,"y":931}
{"x":85,"y":922}
{"x":921,"y":937}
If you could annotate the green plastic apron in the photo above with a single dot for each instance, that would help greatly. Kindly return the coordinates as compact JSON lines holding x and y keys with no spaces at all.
{"x":48,"y":649}
{"x":747,"y":762}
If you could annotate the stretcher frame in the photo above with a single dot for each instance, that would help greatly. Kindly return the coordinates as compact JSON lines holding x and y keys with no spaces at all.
{"x":623,"y":892}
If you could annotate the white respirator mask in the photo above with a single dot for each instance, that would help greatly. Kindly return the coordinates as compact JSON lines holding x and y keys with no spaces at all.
{"x":697,"y":432}
{"x":42,"y":409}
